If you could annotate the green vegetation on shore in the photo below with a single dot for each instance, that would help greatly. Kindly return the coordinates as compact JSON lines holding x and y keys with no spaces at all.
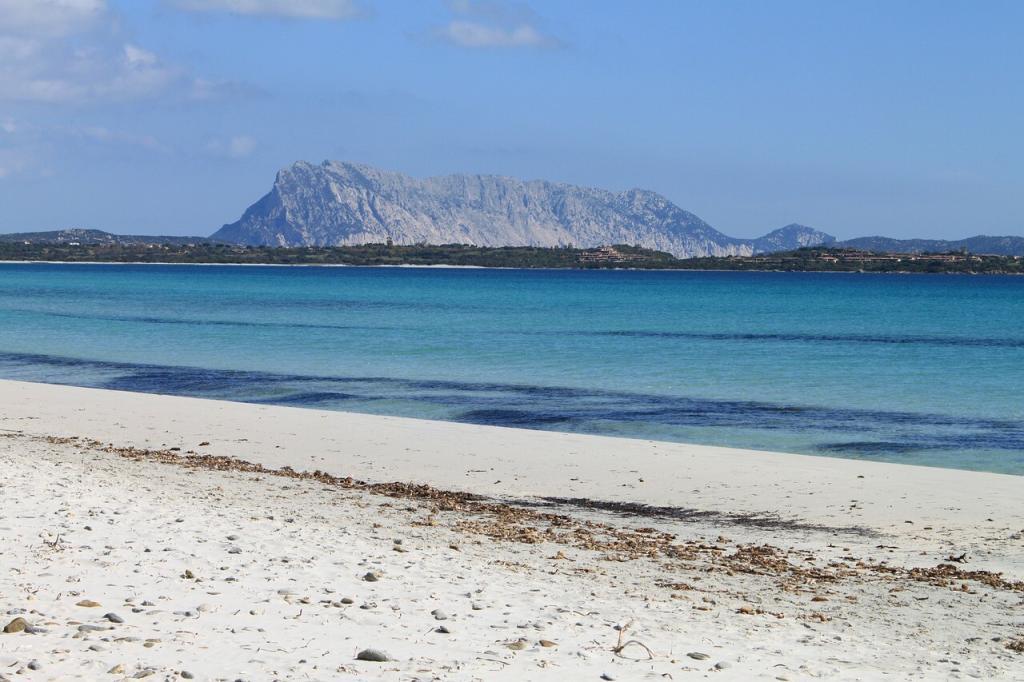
{"x":619,"y":256}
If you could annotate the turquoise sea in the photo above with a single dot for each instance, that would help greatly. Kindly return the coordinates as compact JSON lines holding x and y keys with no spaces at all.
{"x":917,"y":369}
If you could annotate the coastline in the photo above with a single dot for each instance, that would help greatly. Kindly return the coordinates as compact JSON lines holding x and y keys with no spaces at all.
{"x":511,"y":462}
{"x":492,"y":267}
{"x":772,"y":565}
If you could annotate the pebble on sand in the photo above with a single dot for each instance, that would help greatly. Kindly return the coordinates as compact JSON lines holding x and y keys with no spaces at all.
{"x":17,"y":625}
{"x":375,"y":655}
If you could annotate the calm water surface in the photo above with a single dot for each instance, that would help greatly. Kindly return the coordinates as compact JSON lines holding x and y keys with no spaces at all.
{"x":917,"y":369}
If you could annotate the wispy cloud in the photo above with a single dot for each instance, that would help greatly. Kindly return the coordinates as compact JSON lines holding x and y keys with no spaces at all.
{"x":49,"y":17}
{"x":482,"y":24}
{"x":236,"y":147}
{"x":69,"y":51}
{"x":107,"y":136}
{"x":293,"y":9}
{"x":57,"y":73}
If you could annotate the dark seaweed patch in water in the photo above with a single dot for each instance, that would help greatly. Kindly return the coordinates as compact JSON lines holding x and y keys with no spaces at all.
{"x":146,"y":319}
{"x":310,"y":398}
{"x":887,"y":339}
{"x":520,"y":418}
{"x":884,"y":433}
{"x":876,"y":447}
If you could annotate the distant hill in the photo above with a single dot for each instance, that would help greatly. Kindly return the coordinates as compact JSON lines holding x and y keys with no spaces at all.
{"x":345,"y":204}
{"x":996,"y":246}
{"x":336,"y":203}
{"x":791,"y":237}
{"x":83,"y":236}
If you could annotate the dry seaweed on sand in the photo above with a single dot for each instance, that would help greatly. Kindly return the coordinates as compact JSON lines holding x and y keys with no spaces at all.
{"x":510,"y":521}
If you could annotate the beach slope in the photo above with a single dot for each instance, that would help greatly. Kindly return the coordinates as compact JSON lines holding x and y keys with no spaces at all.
{"x":167,"y":536}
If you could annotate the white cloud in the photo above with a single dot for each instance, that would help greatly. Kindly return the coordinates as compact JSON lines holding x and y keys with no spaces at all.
{"x":49,"y":17}
{"x":58,"y":73}
{"x":63,"y":51}
{"x":493,"y":25}
{"x":13,"y":48}
{"x":237,"y":147}
{"x":294,"y":9}
{"x":472,"y":34}
{"x":108,"y":136}
{"x":136,"y":56}
{"x":9,"y":126}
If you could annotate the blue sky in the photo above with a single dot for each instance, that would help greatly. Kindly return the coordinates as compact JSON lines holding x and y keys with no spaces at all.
{"x":172,"y":116}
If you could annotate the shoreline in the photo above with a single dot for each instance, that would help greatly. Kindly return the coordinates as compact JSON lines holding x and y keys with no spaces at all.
{"x":505,"y":461}
{"x":182,"y":537}
{"x":492,"y":267}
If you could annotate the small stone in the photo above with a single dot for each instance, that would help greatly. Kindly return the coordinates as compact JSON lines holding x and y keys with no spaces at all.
{"x":371,"y":577}
{"x":698,"y":656}
{"x":19,"y":624}
{"x":438,"y":614}
{"x":143,"y":673}
{"x":97,"y":647}
{"x":113,"y":618}
{"x":116,"y":670}
{"x":517,"y":645}
{"x":606,"y":676}
{"x":723,"y":665}
{"x":35,"y":665}
{"x":232,"y":538}
{"x":188,"y":575}
{"x":375,"y":655}
{"x":88,"y":603}
{"x":347,"y":600}
{"x":187,"y":675}
{"x":547,"y":643}
{"x":443,"y":630}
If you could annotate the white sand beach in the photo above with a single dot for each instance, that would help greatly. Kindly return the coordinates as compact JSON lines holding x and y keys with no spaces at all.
{"x":166,"y":537}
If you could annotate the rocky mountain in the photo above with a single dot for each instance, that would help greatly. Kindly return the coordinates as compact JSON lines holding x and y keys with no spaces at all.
{"x":84,"y":236}
{"x":996,"y":246}
{"x":792,"y":236}
{"x":337,"y":203}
